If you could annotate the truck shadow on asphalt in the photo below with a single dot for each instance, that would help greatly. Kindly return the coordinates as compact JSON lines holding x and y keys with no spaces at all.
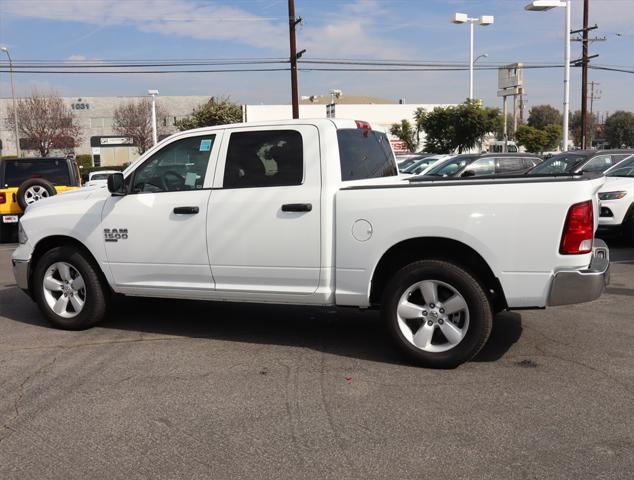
{"x":345,"y":332}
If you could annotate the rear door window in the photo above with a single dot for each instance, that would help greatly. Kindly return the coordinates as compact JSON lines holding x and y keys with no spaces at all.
{"x":264,"y":158}
{"x":512,"y":164}
{"x":364,"y":153}
{"x":55,"y":170}
{"x":482,"y":166}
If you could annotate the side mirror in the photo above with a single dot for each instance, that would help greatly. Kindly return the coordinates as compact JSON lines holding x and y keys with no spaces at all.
{"x":116,"y":184}
{"x":468,"y":173}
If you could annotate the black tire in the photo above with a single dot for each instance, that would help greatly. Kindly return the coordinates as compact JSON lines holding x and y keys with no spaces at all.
{"x":33,"y":182}
{"x":4,"y":234}
{"x":627,"y":229}
{"x":97,"y":295}
{"x":480,"y":314}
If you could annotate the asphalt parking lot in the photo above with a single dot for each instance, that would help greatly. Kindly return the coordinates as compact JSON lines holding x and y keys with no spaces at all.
{"x":171,"y":389}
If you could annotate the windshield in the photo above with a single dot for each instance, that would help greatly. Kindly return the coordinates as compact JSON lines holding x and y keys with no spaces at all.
{"x":451,"y":167}
{"x":419,"y":165}
{"x":623,"y":169}
{"x":562,"y":163}
{"x":408,"y":162}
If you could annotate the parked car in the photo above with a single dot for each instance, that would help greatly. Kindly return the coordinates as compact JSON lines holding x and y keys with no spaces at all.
{"x":617,"y":199}
{"x":498,"y":147}
{"x":313,"y":212}
{"x":475,"y":165}
{"x":422,"y":165}
{"x":578,"y":161}
{"x":24,"y":181}
{"x":407,"y":160}
{"x":99,"y":177}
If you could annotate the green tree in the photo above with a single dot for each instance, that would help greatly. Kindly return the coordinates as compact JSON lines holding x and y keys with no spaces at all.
{"x":619,"y":129}
{"x":215,"y":112}
{"x":406,"y":133}
{"x":575,"y":127}
{"x":538,"y":140}
{"x":458,"y":128}
{"x":541,"y":115}
{"x":499,"y":134}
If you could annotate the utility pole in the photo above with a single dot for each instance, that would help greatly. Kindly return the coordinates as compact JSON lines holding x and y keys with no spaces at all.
{"x":584,"y":61}
{"x":292,"y":23}
{"x":584,"y":77}
{"x":593,"y":96}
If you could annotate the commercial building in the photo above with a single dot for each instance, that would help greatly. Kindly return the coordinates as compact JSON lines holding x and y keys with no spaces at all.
{"x":95,"y":117}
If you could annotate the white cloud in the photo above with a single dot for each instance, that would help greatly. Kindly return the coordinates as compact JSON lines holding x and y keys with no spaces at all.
{"x":352,"y":31}
{"x":187,"y":18}
{"x":348,"y":31}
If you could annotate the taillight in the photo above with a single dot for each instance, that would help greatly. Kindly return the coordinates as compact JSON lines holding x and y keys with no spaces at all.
{"x":3,"y":197}
{"x":578,"y":230}
{"x":362,"y":124}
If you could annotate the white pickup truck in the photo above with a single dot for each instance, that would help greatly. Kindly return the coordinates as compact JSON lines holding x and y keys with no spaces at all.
{"x":313,"y":212}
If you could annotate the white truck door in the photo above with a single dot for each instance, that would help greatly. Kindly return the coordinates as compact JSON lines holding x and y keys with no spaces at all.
{"x":155,"y":236}
{"x":264,"y":225}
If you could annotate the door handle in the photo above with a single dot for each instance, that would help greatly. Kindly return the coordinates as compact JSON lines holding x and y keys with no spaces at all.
{"x":297,"y":207}
{"x":185,"y":210}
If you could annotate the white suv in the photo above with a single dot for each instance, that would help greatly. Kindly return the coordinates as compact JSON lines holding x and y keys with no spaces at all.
{"x":617,"y":198}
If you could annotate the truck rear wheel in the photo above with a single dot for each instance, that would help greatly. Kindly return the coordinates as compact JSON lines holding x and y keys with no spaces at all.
{"x":68,"y":289}
{"x":438,"y":314}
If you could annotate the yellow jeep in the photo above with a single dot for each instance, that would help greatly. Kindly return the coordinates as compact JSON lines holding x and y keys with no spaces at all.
{"x":26,"y":180}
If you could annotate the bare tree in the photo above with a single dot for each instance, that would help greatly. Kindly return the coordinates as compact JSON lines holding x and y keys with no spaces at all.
{"x":46,"y":122}
{"x":133,"y":119}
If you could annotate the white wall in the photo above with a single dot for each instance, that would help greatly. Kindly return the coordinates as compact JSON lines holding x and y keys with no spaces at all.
{"x":381,"y":114}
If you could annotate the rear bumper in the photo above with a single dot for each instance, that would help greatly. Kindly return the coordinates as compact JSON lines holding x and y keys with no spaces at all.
{"x":579,"y":286}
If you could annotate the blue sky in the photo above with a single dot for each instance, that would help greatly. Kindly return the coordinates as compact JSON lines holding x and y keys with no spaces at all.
{"x":418,"y":30}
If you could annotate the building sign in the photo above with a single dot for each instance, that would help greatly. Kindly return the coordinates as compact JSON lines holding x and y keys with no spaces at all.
{"x":116,"y":141}
{"x":80,"y":105}
{"x":510,"y":80}
{"x":399,"y":147}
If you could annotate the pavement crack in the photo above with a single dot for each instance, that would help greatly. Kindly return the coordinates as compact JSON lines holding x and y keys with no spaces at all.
{"x":93,"y":344}
{"x":546,"y":353}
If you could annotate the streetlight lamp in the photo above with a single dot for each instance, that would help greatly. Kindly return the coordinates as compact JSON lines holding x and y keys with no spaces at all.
{"x":15,"y":110}
{"x":154,"y":94}
{"x":484,"y":20}
{"x":483,"y":55}
{"x":541,"y":6}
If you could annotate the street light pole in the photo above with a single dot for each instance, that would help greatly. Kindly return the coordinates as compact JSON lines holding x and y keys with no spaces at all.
{"x":484,"y":20}
{"x":15,"y":110}
{"x":153,"y":94}
{"x":543,"y":5}
{"x":471,"y":61}
{"x":566,"y":76}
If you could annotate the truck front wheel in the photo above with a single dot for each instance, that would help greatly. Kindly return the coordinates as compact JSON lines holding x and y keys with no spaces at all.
{"x":68,"y":289}
{"x":438,"y":313}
